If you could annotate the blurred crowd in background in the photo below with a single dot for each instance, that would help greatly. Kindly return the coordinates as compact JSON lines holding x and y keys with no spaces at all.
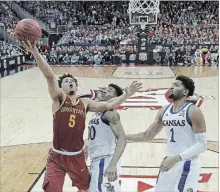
{"x":99,"y":32}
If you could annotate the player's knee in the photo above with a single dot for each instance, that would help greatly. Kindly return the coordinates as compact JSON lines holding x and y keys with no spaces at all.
{"x":84,"y":186}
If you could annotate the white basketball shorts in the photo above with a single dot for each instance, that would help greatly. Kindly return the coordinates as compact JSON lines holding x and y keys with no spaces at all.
{"x":98,"y":182}
{"x":183,"y":177}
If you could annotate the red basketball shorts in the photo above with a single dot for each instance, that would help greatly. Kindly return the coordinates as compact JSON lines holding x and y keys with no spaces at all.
{"x":57,"y":167}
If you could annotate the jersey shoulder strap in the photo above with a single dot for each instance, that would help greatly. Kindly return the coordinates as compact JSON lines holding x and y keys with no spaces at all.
{"x":166,"y":108}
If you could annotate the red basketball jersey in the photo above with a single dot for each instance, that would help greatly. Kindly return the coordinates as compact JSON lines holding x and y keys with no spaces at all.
{"x":69,"y":125}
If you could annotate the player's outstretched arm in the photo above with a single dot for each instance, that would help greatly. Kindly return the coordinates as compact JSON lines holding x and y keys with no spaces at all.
{"x":114,"y":121}
{"x":54,"y":90}
{"x":94,"y":106}
{"x":151,"y":132}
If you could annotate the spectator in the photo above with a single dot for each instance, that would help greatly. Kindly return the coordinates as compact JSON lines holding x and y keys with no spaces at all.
{"x":66,"y":59}
{"x":8,"y":19}
{"x":8,"y":50}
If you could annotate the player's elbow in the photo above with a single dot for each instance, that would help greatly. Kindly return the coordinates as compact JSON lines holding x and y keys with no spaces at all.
{"x":122,"y":140}
{"x":201,"y":140}
{"x":108,"y":106}
{"x":204,"y":146}
{"x":51,"y":80}
{"x":201,"y":147}
{"x":147,"y":136}
{"x":98,"y":107}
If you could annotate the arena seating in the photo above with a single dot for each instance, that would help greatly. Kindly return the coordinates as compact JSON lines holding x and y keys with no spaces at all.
{"x":100,"y":31}
{"x":8,"y":18}
{"x":8,"y":50}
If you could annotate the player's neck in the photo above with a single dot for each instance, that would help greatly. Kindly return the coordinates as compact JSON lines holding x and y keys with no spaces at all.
{"x":73,"y":98}
{"x":179,"y":104}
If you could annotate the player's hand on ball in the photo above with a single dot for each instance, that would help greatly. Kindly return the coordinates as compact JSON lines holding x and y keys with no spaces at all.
{"x":111,"y":173}
{"x":134,"y":87}
{"x":29,"y":47}
{"x":168,"y":163}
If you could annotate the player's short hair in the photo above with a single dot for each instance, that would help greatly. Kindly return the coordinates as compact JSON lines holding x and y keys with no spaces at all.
{"x":118,"y":89}
{"x":64,"y":76}
{"x":187,"y":83}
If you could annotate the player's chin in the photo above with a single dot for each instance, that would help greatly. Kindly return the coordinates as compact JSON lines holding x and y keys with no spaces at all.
{"x":171,"y":96}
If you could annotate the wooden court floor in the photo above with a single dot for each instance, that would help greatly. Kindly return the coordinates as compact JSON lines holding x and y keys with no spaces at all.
{"x":26,"y":123}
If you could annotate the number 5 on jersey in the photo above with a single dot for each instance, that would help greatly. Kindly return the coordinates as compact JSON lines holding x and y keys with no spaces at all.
{"x":72,"y":121}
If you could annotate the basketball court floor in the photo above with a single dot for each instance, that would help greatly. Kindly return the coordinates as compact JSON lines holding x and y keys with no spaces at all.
{"x":26,"y":123}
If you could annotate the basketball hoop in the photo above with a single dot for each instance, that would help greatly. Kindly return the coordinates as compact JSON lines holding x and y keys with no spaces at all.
{"x":143,"y":12}
{"x":144,"y":7}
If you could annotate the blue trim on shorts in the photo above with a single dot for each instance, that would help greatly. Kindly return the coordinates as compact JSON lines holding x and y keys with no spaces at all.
{"x":182,"y":182}
{"x":101,"y":173}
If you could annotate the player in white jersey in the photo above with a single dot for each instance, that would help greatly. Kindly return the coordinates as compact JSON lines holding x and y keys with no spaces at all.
{"x":186,"y":138}
{"x":106,"y":143}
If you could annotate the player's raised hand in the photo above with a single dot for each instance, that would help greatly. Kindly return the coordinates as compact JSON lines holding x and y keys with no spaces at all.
{"x":168,"y":163}
{"x":134,"y":87}
{"x":111,"y":173}
{"x":32,"y":48}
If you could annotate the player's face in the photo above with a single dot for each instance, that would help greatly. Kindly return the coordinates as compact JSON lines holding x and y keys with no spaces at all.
{"x":108,"y":94}
{"x":69,"y":86}
{"x":177,"y":90}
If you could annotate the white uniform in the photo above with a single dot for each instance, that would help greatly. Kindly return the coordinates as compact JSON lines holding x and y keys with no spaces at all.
{"x":184,"y":176}
{"x":101,"y":147}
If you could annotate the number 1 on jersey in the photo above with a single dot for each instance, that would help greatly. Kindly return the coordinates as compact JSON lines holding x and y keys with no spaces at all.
{"x":172,"y":136}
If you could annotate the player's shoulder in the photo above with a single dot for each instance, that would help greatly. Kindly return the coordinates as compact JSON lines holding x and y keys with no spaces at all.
{"x":164,"y":109}
{"x":194,"y":109}
{"x":85,"y":101}
{"x":111,"y":115}
{"x":111,"y":112}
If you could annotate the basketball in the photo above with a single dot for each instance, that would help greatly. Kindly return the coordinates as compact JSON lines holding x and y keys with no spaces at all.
{"x":28,"y":29}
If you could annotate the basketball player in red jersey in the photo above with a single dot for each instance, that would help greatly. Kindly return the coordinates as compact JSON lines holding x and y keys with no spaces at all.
{"x":69,"y":115}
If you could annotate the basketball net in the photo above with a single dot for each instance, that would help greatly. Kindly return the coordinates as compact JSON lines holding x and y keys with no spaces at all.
{"x":143,"y":12}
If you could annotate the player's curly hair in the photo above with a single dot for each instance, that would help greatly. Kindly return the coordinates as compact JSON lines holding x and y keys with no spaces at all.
{"x":118,"y":89}
{"x":188,"y":84}
{"x":64,"y":76}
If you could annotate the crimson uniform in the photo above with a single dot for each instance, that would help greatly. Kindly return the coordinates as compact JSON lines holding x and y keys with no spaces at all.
{"x":66,"y":156}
